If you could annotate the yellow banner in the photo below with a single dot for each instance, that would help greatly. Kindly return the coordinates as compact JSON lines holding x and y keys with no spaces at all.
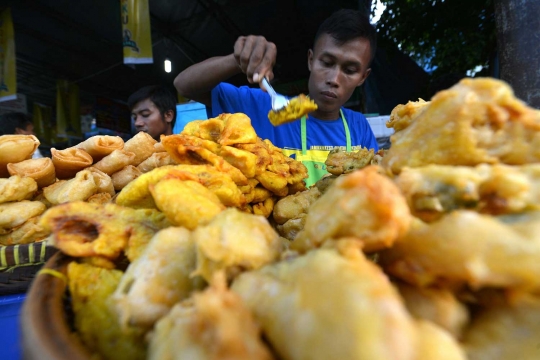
{"x":8,"y":73}
{"x":136,"y":32}
{"x":68,"y":110}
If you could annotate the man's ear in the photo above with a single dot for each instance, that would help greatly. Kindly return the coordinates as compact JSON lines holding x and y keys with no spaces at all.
{"x":168,"y":116}
{"x":368,"y":71}
{"x":309,"y":59}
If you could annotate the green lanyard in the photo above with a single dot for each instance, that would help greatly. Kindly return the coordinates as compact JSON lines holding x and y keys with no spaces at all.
{"x":304,"y":136}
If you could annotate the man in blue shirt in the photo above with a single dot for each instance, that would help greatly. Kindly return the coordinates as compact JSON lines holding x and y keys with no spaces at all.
{"x":338,"y":63}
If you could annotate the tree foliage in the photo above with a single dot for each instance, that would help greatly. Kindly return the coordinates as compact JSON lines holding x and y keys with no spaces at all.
{"x":446,"y":36}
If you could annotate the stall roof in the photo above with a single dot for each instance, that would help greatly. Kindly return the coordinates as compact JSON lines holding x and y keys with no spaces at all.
{"x":81,"y":40}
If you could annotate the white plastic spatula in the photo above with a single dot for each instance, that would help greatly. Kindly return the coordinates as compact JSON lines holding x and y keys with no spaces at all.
{"x":278,"y":101}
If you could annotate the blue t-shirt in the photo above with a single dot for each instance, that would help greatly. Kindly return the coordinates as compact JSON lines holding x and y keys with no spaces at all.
{"x":321,"y":134}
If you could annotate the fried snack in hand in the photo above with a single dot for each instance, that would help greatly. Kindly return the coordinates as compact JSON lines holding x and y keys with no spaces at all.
{"x":137,"y":193}
{"x":84,"y":229}
{"x":80,"y":188}
{"x":41,"y":170}
{"x":213,"y":324}
{"x":95,"y":320}
{"x":123,"y":177}
{"x":14,"y":214}
{"x":26,"y":233}
{"x":342,"y":162}
{"x":437,"y":305}
{"x":475,"y":121}
{"x":435,"y":343}
{"x":142,"y":145}
{"x":14,"y":149}
{"x":465,"y":247}
{"x":296,"y":108}
{"x":329,"y":304}
{"x":403,"y":115}
{"x":100,"y":146}
{"x":235,"y":241}
{"x":16,"y":188}
{"x":504,"y":332}
{"x":434,"y":190}
{"x":158,"y":279}
{"x":70,"y":161}
{"x":362,"y":204}
{"x":185,"y":202}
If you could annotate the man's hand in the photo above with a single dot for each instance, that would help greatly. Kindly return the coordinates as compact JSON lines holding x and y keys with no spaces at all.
{"x":256,"y":57}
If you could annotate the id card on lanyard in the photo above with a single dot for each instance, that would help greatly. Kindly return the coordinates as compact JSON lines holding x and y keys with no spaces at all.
{"x":314,"y":159}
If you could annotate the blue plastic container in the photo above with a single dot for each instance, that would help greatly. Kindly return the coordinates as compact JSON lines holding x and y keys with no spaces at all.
{"x":10,"y":309}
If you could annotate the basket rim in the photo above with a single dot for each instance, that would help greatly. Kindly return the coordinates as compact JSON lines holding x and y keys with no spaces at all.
{"x":45,"y":333}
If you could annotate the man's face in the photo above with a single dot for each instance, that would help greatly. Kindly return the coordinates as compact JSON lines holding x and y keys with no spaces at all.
{"x":147,"y":118}
{"x":336,"y":70}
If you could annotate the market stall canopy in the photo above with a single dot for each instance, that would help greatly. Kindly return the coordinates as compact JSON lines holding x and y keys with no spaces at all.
{"x":81,"y":41}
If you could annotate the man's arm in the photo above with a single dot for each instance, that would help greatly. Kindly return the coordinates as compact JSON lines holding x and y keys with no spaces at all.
{"x":253,"y":56}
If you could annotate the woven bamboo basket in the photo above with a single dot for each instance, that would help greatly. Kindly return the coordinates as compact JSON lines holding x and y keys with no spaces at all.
{"x":20,"y":263}
{"x":47,"y":320}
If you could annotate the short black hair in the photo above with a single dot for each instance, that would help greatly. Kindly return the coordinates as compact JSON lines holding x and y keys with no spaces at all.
{"x":162,"y":97}
{"x":13,"y":120}
{"x":347,"y":24}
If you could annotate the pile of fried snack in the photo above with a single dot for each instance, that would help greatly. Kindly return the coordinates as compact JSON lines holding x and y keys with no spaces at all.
{"x":430,"y":250}
{"x":214,"y":164}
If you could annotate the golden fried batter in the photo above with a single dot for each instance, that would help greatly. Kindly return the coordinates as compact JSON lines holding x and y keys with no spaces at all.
{"x":95,"y":320}
{"x":476,"y":121}
{"x":341,"y":162}
{"x":297,"y":107}
{"x":465,"y":247}
{"x":214,"y":324}
{"x":237,"y":129}
{"x":158,"y":279}
{"x":362,"y":204}
{"x":14,"y":214}
{"x":186,"y":203}
{"x":434,"y":190}
{"x":137,"y":193}
{"x":435,"y":343}
{"x":16,"y":188}
{"x":505,"y":332}
{"x":437,"y":305}
{"x":26,"y":233}
{"x":235,"y":241}
{"x":329,"y":304}
{"x":84,"y":229}
{"x":403,"y":115}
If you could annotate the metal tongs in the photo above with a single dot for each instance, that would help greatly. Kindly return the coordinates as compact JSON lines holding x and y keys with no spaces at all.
{"x":278,"y":101}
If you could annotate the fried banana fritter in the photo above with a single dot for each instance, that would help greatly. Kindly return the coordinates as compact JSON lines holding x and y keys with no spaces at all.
{"x":476,"y":121}
{"x":362,"y":204}
{"x":213,"y":324}
{"x":95,"y":320}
